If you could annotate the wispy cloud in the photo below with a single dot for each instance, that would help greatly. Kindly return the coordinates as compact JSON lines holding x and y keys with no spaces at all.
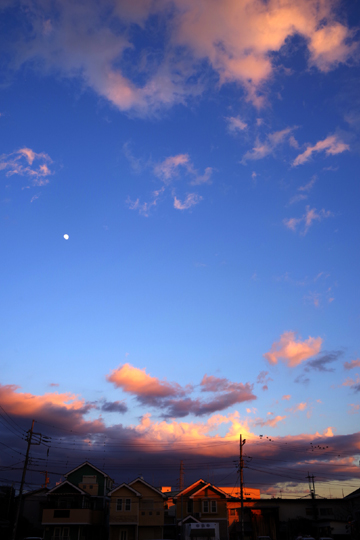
{"x":353,"y":383}
{"x":293,"y":351}
{"x":26,"y":162}
{"x":331,"y":145}
{"x":168,"y":169}
{"x":354,"y":408}
{"x":267,"y":147}
{"x":264,"y":378}
{"x":299,"y":407}
{"x":322,"y":362}
{"x":191,"y":200}
{"x":114,"y":406}
{"x":352,"y":364}
{"x":307,"y":219}
{"x":270,"y":422}
{"x":287,"y":397}
{"x":235,"y":124}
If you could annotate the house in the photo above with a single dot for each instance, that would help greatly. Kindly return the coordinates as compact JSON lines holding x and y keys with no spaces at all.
{"x":202,"y":503}
{"x":288,"y":518}
{"x":76,"y":509}
{"x":136,"y":512}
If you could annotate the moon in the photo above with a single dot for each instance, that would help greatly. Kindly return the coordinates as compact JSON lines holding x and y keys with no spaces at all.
{"x":66,"y":236}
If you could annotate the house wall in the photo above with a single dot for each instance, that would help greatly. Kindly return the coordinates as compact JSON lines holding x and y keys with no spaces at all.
{"x":74,"y":515}
{"x":76,"y":478}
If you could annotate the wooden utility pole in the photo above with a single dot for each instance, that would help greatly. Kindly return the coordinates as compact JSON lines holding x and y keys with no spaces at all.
{"x":29,"y":437}
{"x":181,"y":481}
{"x":242,"y":442}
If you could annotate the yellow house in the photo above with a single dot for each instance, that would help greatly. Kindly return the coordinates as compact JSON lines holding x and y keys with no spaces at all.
{"x":136,"y":512}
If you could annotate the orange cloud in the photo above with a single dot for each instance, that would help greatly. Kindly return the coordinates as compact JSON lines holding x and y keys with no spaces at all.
{"x":293,"y":351}
{"x":136,"y":381}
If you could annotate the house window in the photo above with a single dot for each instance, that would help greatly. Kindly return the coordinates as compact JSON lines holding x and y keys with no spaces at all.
{"x":127,"y":506}
{"x":66,"y":534}
{"x":143,"y":513}
{"x":309,"y":511}
{"x":213,"y":507}
{"x":118,"y":505}
{"x":122,"y":535}
{"x":190,"y":506}
{"x":150,"y":513}
{"x":56,"y":533}
{"x":232,"y":512}
{"x":205,"y":506}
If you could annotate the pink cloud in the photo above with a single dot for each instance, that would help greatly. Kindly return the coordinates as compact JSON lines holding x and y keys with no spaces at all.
{"x":271,"y":422}
{"x":286,"y":397}
{"x":22,"y":163}
{"x":190,"y":200}
{"x":307,"y":219}
{"x":63,"y":408}
{"x":352,"y":364}
{"x":293,"y":351}
{"x":331,"y":145}
{"x":235,"y":37}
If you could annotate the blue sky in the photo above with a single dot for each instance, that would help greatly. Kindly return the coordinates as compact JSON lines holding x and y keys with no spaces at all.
{"x":202,"y":159}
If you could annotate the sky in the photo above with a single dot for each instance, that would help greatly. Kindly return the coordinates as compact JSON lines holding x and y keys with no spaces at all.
{"x":180,"y":240}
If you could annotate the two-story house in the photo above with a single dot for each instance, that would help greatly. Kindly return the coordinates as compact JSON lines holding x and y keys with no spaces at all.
{"x":202,"y":502}
{"x":136,"y":512}
{"x":76,"y":509}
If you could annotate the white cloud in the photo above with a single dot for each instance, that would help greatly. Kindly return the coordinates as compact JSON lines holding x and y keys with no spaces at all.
{"x":331,"y":145}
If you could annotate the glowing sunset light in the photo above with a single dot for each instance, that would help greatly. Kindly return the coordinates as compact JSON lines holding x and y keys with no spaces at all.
{"x":202,"y":157}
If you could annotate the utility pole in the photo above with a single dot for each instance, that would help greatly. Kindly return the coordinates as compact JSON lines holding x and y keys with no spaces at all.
{"x":311,"y":479}
{"x":29,"y":437}
{"x":242,"y":442}
{"x":181,"y":481}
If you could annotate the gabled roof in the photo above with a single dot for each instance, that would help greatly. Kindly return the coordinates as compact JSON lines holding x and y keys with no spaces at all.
{"x":39,"y":491}
{"x":190,"y":487}
{"x":68,"y":483}
{"x":148,"y":485}
{"x":211,"y":487}
{"x":126,"y":486}
{"x":90,"y":465}
{"x":190,"y":518}
{"x":354,"y":494}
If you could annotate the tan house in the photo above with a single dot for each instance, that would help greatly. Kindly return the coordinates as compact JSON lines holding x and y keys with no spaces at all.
{"x":136,"y":512}
{"x":203,"y":503}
